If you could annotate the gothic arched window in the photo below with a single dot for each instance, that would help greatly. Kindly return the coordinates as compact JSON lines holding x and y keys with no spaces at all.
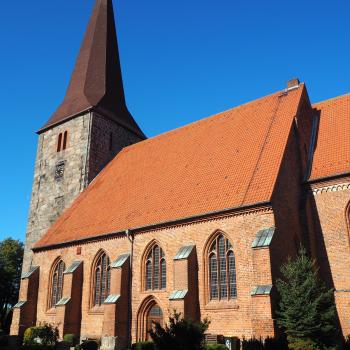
{"x":101,"y":278}
{"x":57,"y":283}
{"x":155,"y":271}
{"x":222,"y":269}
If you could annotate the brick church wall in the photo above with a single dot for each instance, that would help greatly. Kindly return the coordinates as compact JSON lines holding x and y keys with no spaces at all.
{"x":286,"y":201}
{"x":328,"y":213}
{"x":245,"y":315}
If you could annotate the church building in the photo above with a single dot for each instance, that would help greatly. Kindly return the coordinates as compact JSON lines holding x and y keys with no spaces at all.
{"x":123,"y":230}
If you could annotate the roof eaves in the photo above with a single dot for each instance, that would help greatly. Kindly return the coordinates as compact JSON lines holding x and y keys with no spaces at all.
{"x":63,"y":120}
{"x":154,"y":226}
{"x":327,"y":178}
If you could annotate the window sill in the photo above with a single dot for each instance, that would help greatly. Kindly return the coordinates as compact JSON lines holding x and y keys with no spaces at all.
{"x":51,"y":311}
{"x":96,"y":310}
{"x":222,"y":304}
{"x":154,"y":291}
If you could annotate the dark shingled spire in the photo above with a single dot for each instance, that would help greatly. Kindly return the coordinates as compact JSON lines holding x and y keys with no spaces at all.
{"x":96,"y":83}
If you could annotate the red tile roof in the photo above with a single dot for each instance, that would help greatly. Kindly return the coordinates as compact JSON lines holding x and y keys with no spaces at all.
{"x":225,"y":161}
{"x":332,"y":152}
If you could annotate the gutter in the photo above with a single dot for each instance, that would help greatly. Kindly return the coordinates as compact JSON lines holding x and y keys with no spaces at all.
{"x":327,"y":178}
{"x":198,"y":217}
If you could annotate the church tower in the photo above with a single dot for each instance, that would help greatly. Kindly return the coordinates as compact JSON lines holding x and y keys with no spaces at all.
{"x":87,"y":130}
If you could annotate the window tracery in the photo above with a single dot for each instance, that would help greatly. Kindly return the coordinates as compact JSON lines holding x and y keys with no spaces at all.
{"x":155,"y":269}
{"x":102,"y":278}
{"x":57,"y":283}
{"x":222,"y":269}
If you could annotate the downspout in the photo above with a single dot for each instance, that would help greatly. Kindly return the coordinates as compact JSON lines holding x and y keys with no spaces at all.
{"x":130,"y":237}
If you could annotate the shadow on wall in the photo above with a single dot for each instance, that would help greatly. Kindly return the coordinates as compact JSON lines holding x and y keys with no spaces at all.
{"x":316,"y":245}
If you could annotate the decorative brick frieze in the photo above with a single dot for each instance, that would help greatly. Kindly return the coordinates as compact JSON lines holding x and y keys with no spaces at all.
{"x":331,"y":188}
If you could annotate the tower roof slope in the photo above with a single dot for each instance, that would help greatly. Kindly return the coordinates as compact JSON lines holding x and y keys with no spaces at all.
{"x":96,"y":82}
{"x":225,"y":161}
{"x":332,"y":152}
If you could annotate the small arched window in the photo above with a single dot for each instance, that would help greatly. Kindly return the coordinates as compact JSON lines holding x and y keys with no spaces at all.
{"x":222,"y":270}
{"x":57,"y":283}
{"x":65,"y":140}
{"x":155,"y":271}
{"x":59,"y":142}
{"x":102,"y":278}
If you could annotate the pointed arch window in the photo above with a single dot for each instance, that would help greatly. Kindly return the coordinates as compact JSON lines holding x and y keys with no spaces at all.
{"x":62,"y":141}
{"x":65,"y":140}
{"x":222,"y":269}
{"x":155,"y":269}
{"x":57,"y":283}
{"x":102,"y":278}
{"x":59,"y":142}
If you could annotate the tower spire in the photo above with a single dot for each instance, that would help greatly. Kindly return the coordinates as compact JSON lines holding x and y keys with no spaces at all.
{"x":96,"y":82}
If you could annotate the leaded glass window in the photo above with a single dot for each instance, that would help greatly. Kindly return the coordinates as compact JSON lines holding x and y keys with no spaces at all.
{"x":155,"y":269}
{"x":163,"y":273}
{"x":102,"y":277}
{"x":57,"y":283}
{"x":222,"y":270}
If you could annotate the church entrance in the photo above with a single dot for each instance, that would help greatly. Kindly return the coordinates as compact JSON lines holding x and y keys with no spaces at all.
{"x":148,"y":314}
{"x":155,"y":315}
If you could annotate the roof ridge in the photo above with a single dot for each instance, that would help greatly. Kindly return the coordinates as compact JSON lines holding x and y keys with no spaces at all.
{"x":331,"y":99}
{"x":207,"y":119}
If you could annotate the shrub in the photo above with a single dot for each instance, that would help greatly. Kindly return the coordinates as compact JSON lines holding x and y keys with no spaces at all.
{"x":71,"y":339}
{"x":30,"y":335}
{"x":77,"y":347}
{"x":215,"y":347}
{"x":45,"y":335}
{"x":89,"y":345}
{"x":252,"y":344}
{"x":4,"y":340}
{"x":37,"y":347}
{"x":179,"y":334}
{"x":143,"y":345}
{"x":265,"y":344}
{"x":276,"y":343}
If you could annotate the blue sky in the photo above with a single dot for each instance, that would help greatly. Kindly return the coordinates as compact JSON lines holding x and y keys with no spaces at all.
{"x":182,"y":60}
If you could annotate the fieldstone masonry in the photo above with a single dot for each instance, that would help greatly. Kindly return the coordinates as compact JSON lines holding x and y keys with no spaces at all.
{"x":60,"y":176}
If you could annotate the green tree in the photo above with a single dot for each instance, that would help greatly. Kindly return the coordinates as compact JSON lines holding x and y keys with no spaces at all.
{"x":11,"y":254}
{"x":180,"y":334}
{"x":306,"y":310}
